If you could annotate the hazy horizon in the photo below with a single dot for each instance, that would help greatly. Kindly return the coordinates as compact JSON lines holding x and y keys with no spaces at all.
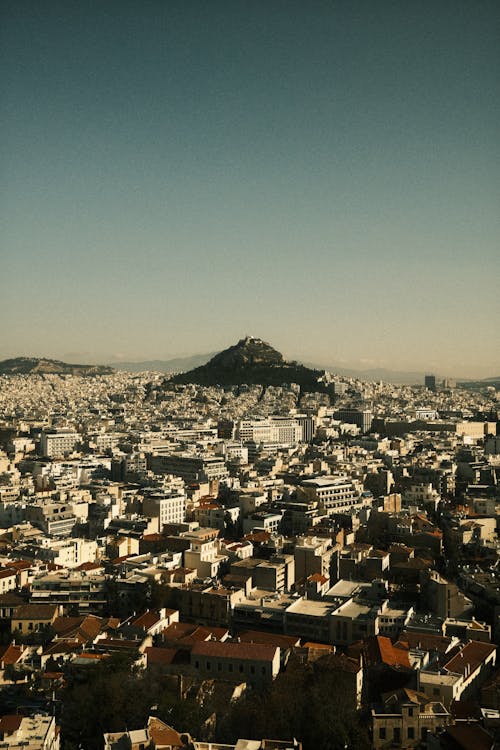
{"x":322,"y":175}
{"x":355,"y":365}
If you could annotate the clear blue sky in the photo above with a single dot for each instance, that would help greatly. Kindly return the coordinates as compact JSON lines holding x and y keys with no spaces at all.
{"x":324,"y":175}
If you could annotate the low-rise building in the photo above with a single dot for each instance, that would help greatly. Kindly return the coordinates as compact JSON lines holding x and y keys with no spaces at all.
{"x":255,"y":663}
{"x":29,"y":732}
{"x":405,"y":718}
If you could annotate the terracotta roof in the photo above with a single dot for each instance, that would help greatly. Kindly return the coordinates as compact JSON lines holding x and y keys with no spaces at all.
{"x":434,"y":532}
{"x":379,"y":649}
{"x":470,"y":657}
{"x":7,"y":573}
{"x":35,"y":612}
{"x":271,"y":639}
{"x":64,"y":624}
{"x":111,"y":623}
{"x":146,"y":620}
{"x":243,"y":651}
{"x":85,"y":628}
{"x":10,"y":723}
{"x":178,"y":630}
{"x":89,"y":566}
{"x":258,"y":536}
{"x":10,"y":654}
{"x":20,"y":564}
{"x":62,"y":647}
{"x":425,"y":641}
{"x":185,"y":634}
{"x":317,"y":577}
{"x":159,"y":656}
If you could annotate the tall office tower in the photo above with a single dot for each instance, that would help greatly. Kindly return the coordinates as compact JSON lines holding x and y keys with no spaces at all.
{"x":430,"y":382}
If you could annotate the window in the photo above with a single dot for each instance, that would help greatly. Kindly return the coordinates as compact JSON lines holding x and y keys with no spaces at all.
{"x":410,"y":712}
{"x":397,"y":734}
{"x":241,"y":667}
{"x":382,"y":733}
{"x":411,"y":733}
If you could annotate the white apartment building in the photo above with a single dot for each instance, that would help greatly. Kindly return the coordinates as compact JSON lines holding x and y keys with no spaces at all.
{"x":203,"y":555}
{"x":282,"y":430}
{"x":335,"y":494}
{"x":58,"y":443}
{"x":168,"y":508}
{"x":31,"y":733}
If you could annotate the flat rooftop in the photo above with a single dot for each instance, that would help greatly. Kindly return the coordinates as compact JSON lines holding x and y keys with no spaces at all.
{"x":325,"y":481}
{"x":311,"y":608}
{"x":345,"y":589}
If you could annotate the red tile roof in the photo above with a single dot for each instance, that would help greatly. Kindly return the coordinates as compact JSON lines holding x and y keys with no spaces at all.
{"x":231,"y":650}
{"x":146,"y":620}
{"x":424,"y":641}
{"x":89,"y":566}
{"x":317,"y":577}
{"x":85,"y":628}
{"x":159,"y":656}
{"x":20,"y":564}
{"x":7,"y":573}
{"x":10,"y":654}
{"x":35,"y":612}
{"x":10,"y":723}
{"x":471,"y":656}
{"x":379,"y":650}
{"x":271,"y":639}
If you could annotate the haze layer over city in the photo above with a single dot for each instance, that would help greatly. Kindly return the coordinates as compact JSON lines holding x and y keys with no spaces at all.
{"x":323,"y":175}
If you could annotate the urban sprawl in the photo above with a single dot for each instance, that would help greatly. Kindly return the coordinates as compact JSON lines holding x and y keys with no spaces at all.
{"x":245,"y":567}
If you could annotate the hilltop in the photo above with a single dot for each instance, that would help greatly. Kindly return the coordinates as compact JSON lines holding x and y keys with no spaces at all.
{"x":43,"y":366}
{"x":253,"y":362}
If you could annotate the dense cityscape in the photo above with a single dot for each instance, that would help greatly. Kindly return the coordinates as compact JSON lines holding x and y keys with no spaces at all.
{"x":247,"y":565}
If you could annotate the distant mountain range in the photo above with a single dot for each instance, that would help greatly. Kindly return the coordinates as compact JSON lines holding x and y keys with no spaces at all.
{"x":42,"y":366}
{"x":400,"y":377}
{"x":252,"y":361}
{"x":184,"y":364}
{"x":176,"y":364}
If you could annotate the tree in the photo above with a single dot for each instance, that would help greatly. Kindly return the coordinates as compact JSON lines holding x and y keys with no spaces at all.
{"x":307,"y":702}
